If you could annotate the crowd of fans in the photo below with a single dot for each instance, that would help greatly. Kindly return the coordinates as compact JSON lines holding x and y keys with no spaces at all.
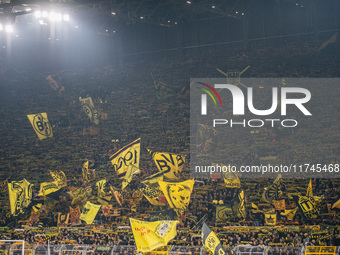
{"x":130,"y":97}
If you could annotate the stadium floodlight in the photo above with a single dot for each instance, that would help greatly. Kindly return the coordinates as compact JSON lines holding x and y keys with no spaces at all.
{"x":66,"y":17}
{"x":37,"y":14}
{"x":44,"y":14}
{"x":53,"y":16}
{"x":9,"y":28}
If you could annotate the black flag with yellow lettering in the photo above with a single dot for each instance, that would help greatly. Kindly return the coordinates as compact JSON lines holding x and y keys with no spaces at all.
{"x":211,"y":242}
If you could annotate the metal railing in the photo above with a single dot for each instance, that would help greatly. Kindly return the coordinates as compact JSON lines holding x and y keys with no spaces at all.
{"x":20,"y":248}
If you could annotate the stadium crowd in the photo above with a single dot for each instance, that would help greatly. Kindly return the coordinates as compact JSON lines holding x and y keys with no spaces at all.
{"x":132,"y":105}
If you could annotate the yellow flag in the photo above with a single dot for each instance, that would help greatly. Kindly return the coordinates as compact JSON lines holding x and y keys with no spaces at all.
{"x":274,"y":192}
{"x":101,"y":188}
{"x":310,"y":189}
{"x":41,"y":125}
{"x":169,"y":164}
{"x":151,"y":235}
{"x":336,"y":204}
{"x":20,"y":195}
{"x":89,"y":109}
{"x":223,"y":213}
{"x":238,"y":206}
{"x":231,"y":180}
{"x":89,"y":175}
{"x":310,"y":206}
{"x":60,"y":177}
{"x":128,"y":175}
{"x":89,"y":212}
{"x":211,"y":241}
{"x":151,"y":189}
{"x":289,"y":213}
{"x":270,"y":219}
{"x":128,"y":155}
{"x":177,"y":194}
{"x":48,"y":188}
{"x":79,"y":196}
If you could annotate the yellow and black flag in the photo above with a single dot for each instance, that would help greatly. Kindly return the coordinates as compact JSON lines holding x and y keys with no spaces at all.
{"x":128,"y":155}
{"x":63,"y":219}
{"x":231,"y":180}
{"x":310,"y":206}
{"x":101,"y":188}
{"x":169,"y":164}
{"x":41,"y":125}
{"x":152,"y":191}
{"x":211,"y":241}
{"x":132,"y":169}
{"x":60,"y":177}
{"x":177,"y":194}
{"x":274,"y":192}
{"x":270,"y":219}
{"x":223,"y":213}
{"x":238,"y":206}
{"x":89,"y":109}
{"x":290,"y":214}
{"x":20,"y":195}
{"x":89,"y":212}
{"x":48,"y":188}
{"x":310,"y":189}
{"x":89,"y":175}
{"x":336,"y":204}
{"x":74,"y":214}
{"x":151,"y":235}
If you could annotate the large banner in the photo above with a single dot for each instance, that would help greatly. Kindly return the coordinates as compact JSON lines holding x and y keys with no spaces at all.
{"x":177,"y":194}
{"x":128,"y":155}
{"x":151,"y":235}
{"x":169,"y":164}
{"x":41,"y":125}
{"x":89,"y":109}
{"x":211,"y":241}
{"x":20,"y":195}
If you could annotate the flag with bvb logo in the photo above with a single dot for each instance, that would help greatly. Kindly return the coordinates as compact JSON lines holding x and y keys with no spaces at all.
{"x":211,"y":241}
{"x":169,"y":164}
{"x":89,"y":109}
{"x":41,"y":125}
